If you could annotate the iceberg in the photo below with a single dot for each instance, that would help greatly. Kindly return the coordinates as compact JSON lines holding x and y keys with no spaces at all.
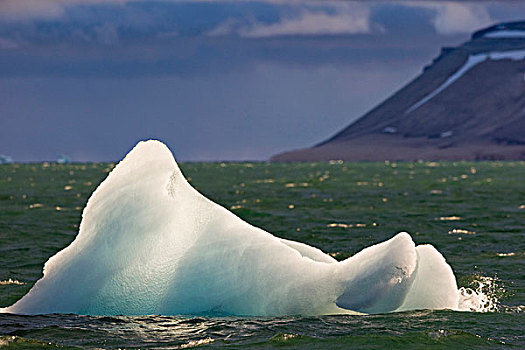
{"x":5,"y":159}
{"x":149,"y":243}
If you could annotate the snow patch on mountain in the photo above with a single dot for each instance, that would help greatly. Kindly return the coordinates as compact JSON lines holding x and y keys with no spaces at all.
{"x":472,"y":61}
{"x":505,"y":34}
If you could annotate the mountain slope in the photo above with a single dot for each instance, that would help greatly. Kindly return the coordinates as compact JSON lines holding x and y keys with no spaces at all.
{"x":468,"y":104}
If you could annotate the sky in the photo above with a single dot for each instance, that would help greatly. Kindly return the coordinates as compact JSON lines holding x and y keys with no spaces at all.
{"x":214,"y":80}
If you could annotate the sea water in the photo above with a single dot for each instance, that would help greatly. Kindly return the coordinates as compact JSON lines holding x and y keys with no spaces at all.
{"x":472,"y":212}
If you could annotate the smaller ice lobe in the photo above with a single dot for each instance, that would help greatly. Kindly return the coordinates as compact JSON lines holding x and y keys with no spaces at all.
{"x":151,"y":244}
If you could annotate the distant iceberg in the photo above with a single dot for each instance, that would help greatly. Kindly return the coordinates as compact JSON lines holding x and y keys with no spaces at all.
{"x":5,"y":159}
{"x":63,"y":159}
{"x":149,"y":243}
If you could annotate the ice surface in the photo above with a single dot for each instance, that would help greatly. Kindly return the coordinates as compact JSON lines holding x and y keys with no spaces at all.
{"x":472,"y":61}
{"x":151,"y":244}
{"x":433,"y":287}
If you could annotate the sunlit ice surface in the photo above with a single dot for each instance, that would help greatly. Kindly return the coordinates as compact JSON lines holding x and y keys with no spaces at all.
{"x":149,"y":243}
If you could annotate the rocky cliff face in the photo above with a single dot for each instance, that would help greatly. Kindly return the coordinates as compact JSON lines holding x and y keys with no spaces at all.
{"x":468,"y":104}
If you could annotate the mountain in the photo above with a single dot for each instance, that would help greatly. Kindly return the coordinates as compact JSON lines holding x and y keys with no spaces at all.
{"x":468,"y":104}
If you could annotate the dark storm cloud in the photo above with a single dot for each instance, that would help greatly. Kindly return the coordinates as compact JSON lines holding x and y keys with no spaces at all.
{"x":201,"y":56}
{"x":137,"y":38}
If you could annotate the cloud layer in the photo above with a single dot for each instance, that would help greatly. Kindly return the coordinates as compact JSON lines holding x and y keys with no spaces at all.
{"x":452,"y":17}
{"x":136,"y":37}
{"x":22,"y":10}
{"x":339,"y":18}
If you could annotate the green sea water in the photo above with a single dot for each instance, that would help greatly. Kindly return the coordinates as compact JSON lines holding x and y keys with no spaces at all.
{"x":473,"y":213}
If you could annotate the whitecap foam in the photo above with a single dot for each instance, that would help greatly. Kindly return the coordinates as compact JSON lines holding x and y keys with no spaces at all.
{"x":149,"y":243}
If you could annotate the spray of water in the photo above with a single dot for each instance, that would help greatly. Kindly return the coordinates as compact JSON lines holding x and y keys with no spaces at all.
{"x":484,"y":296}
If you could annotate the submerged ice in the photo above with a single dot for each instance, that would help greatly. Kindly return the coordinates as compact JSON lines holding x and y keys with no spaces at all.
{"x":151,"y":244}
